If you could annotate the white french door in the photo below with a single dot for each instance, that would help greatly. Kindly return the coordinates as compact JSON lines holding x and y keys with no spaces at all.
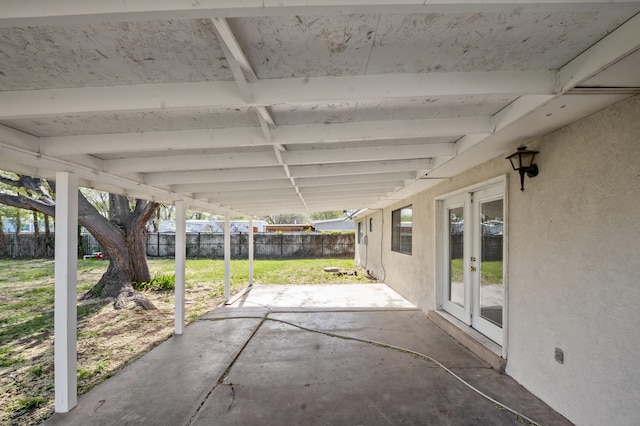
{"x":471,"y":259}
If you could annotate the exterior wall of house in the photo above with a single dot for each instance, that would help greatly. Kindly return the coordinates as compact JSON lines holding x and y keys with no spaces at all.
{"x":573,"y":271}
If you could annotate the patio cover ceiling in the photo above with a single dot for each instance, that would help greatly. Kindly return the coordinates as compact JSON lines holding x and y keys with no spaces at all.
{"x":255,"y":107}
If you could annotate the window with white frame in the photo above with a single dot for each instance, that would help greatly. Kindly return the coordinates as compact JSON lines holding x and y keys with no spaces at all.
{"x":401,"y":229}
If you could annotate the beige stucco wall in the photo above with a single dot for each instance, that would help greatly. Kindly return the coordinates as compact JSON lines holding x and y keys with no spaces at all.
{"x":574,"y":265}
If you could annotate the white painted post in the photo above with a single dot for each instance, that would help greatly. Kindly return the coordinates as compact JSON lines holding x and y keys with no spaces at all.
{"x":65,"y":293}
{"x":227,"y":258}
{"x":250,"y":251}
{"x":180,"y":255}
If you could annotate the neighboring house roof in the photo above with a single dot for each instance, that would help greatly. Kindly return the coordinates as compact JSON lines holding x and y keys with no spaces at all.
{"x":338,"y":224}
{"x":259,"y":109}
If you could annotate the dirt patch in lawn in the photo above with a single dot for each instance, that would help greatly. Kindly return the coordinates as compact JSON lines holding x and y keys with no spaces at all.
{"x":108,"y":340}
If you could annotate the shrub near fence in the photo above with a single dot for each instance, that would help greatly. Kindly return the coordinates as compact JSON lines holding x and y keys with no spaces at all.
{"x":209,"y":246}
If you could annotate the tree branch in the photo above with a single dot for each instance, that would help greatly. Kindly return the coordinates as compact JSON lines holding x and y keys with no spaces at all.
{"x":144,"y":211}
{"x":27,"y":203}
{"x":35,"y":185}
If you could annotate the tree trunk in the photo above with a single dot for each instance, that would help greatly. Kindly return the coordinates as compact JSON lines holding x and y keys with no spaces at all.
{"x":38,"y":248}
{"x":3,"y":250}
{"x":123,"y":241}
{"x":49,"y":244}
{"x":18,"y":251}
{"x":122,"y":236}
{"x":36,"y":225}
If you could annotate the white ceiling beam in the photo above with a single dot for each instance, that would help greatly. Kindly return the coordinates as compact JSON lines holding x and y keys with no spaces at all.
{"x":384,"y":130}
{"x":18,"y":139}
{"x":264,"y":125}
{"x":518,"y":109}
{"x":112,"y":99}
{"x":309,"y":182}
{"x":263,"y":197}
{"x":376,"y":153}
{"x":390,"y":130}
{"x":224,"y":94}
{"x":238,"y":75}
{"x":615,"y":46}
{"x":89,"y":161}
{"x":249,"y":193}
{"x":381,"y":186}
{"x":340,"y":195}
{"x":210,"y":176}
{"x":190,"y":162}
{"x":390,"y":86}
{"x":21,"y":169}
{"x":359,"y":168}
{"x":264,"y":113}
{"x":152,"y":141}
{"x":341,"y":204}
{"x":262,"y":210}
{"x":62,"y":12}
{"x":23,"y":157}
{"x":244,"y":204}
{"x":262,"y":205}
{"x":238,"y":63}
{"x":612,"y":48}
{"x":233,"y":186}
{"x":467,"y":141}
{"x":230,"y":41}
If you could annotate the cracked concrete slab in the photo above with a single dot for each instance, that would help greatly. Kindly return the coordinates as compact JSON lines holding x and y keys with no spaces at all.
{"x":165,"y":386}
{"x":259,"y":364}
{"x":287,"y":375}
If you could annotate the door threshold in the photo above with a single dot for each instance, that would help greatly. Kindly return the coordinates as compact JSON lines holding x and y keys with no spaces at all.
{"x":485,"y":348}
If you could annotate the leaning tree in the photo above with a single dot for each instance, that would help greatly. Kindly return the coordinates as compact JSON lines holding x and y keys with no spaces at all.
{"x":121,"y":235}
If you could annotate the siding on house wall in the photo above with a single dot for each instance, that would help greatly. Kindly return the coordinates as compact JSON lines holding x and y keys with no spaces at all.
{"x":574,"y":268}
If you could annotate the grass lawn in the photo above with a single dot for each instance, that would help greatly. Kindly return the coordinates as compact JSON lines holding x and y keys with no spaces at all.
{"x":491,"y":271}
{"x":108,"y":339}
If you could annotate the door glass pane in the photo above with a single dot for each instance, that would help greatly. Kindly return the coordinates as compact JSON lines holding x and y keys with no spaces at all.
{"x":491,"y":247}
{"x":456,"y":249}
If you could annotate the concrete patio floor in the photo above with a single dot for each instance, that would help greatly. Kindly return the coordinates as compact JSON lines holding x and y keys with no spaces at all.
{"x":265,"y":359}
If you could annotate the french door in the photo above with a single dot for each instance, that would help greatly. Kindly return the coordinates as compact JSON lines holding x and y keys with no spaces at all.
{"x":471,"y":257}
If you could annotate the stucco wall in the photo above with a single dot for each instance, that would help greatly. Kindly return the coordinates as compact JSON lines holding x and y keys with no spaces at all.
{"x":575,"y":270}
{"x":574,"y":265}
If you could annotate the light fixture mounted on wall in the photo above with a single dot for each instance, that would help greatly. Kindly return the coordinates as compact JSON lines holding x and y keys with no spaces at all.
{"x":522,"y":162}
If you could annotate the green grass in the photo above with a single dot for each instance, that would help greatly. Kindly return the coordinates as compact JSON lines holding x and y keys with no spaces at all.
{"x":491,"y":272}
{"x":294,"y":271}
{"x":27,"y":316}
{"x":28,"y":404}
{"x":27,"y":285}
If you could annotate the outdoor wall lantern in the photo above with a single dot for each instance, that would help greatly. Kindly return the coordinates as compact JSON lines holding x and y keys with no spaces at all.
{"x":522,"y":162}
